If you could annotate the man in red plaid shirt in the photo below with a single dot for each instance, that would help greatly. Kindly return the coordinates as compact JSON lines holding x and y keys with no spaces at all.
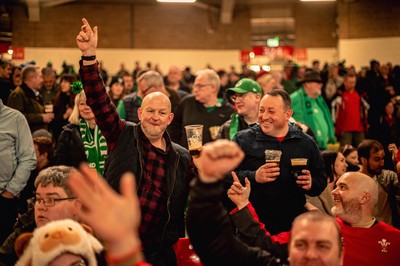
{"x":162,"y":168}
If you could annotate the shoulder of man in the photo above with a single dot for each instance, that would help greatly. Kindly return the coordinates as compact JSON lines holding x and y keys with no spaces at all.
{"x":386,"y":178}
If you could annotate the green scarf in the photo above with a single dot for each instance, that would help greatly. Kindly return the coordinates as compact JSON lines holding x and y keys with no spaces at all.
{"x":233,"y":128}
{"x":95,"y":148}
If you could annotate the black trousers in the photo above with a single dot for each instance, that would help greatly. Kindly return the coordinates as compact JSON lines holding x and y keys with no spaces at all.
{"x":8,"y":216}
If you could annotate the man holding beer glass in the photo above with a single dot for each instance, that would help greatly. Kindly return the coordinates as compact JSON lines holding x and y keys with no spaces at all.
{"x":278,"y":185}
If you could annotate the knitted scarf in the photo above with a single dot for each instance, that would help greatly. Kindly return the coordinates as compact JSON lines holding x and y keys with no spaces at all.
{"x":95,"y":146}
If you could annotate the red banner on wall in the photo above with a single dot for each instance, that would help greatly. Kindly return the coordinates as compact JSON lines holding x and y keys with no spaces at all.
{"x":282,"y":51}
{"x":245,"y":56}
{"x":300,"y":54}
{"x":18,"y":53}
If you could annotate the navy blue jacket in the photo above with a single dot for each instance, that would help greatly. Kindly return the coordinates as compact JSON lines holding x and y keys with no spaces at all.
{"x":279,"y":202}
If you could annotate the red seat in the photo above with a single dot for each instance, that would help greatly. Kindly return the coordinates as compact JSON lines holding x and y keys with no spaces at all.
{"x":185,"y":255}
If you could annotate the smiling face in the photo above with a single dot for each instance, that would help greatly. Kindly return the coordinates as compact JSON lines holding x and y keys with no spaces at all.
{"x":155,"y":115}
{"x":347,"y":198}
{"x":314,"y":243}
{"x":84,"y":110}
{"x":273,"y":116}
{"x":65,"y":209}
{"x":246,"y":102}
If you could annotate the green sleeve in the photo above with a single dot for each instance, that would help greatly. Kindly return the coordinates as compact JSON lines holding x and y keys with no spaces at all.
{"x":121,"y":109}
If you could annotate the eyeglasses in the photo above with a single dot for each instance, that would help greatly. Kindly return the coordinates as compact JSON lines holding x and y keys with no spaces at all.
{"x":240,"y":96}
{"x":49,"y":202}
{"x":200,"y":86}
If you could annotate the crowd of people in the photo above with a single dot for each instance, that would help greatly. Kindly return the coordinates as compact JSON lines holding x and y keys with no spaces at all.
{"x":114,"y":157}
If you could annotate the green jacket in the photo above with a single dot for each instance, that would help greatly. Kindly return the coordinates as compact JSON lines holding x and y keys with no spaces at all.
{"x":303,"y":113}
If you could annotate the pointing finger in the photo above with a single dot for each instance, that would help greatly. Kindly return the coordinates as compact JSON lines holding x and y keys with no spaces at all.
{"x":235,"y":177}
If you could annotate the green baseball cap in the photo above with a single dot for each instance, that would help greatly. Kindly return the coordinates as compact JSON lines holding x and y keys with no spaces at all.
{"x":246,"y":85}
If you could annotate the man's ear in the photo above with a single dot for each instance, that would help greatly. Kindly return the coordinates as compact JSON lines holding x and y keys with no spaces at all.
{"x":139,"y":112}
{"x":21,"y":243}
{"x":365,"y":198}
{"x":78,"y":203}
{"x":170,"y":118}
{"x":363,"y":160}
{"x":289,"y":113}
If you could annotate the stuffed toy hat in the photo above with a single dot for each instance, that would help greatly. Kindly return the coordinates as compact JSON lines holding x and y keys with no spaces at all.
{"x":54,"y":239}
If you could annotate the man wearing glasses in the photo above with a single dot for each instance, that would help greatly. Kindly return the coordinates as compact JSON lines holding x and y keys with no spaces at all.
{"x":53,"y":201}
{"x":246,"y":95}
{"x":203,"y":107}
{"x":147,"y":82}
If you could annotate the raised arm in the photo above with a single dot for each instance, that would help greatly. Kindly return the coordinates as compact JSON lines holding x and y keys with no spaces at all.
{"x":207,"y":222}
{"x":97,"y":98}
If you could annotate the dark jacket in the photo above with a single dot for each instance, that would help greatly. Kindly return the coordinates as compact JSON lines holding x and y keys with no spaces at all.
{"x":70,"y":150}
{"x":211,"y":234}
{"x":126,"y":157}
{"x":26,"y":223}
{"x":24,"y":100}
{"x":250,"y":232}
{"x":126,"y":151}
{"x":279,"y":202}
{"x":190,"y":112}
{"x":62,"y":102}
{"x":224,"y":132}
{"x":131,"y":105}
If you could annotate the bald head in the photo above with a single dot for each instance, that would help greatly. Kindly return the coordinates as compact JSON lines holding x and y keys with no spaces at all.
{"x":354,"y":198}
{"x":362,"y":184}
{"x":157,"y":99}
{"x":155,"y":115}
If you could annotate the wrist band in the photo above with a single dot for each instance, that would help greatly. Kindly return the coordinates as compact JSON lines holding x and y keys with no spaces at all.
{"x":88,"y":58}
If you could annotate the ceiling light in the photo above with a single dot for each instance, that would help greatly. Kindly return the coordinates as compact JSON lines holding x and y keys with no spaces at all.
{"x":176,"y":1}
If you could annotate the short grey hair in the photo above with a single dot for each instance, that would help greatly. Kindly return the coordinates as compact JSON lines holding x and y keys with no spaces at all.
{"x":28,"y":72}
{"x":212,"y":77}
{"x":152,"y":78}
{"x":56,"y":176}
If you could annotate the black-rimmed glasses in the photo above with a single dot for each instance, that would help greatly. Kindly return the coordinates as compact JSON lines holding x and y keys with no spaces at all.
{"x":49,"y":202}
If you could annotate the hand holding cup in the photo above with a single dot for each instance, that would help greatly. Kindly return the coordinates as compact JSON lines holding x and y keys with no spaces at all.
{"x":270,"y":170}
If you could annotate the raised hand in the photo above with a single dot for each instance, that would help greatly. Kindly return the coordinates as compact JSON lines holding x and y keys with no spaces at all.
{"x":87,"y":39}
{"x":114,"y":218}
{"x":217,"y":159}
{"x":239,"y":194}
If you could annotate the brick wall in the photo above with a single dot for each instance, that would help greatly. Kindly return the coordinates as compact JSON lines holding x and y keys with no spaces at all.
{"x":129,"y":26}
{"x":188,"y":27}
{"x":58,"y":26}
{"x":369,"y":19}
{"x":315,"y":24}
